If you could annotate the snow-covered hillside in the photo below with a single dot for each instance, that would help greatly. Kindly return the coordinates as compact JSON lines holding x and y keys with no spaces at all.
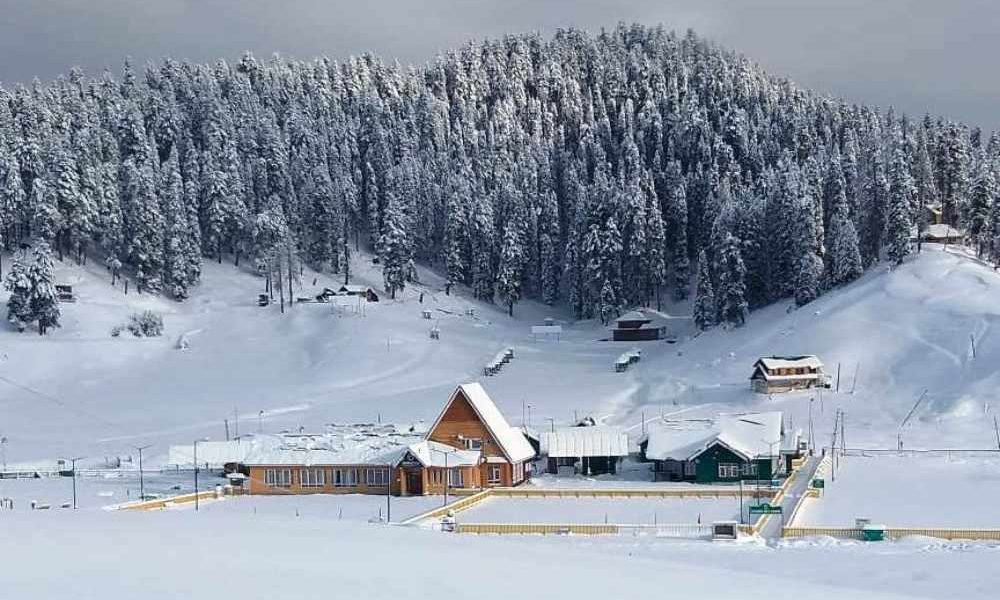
{"x":80,"y":391}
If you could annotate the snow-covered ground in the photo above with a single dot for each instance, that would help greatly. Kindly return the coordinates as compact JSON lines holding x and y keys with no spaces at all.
{"x":80,"y":392}
{"x":937,"y":490}
{"x":623,"y":511}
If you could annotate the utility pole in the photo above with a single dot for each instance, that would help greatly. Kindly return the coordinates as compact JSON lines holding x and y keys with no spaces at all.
{"x":388,"y":495}
{"x":73,"y":462}
{"x":196,"y":471}
{"x":838,"y":377}
{"x":142,"y":487}
{"x":855,"y":382}
{"x":996,"y":430}
{"x":972,"y":339}
{"x":260,"y":422}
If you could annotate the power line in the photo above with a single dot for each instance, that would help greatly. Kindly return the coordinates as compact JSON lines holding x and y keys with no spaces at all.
{"x":60,"y":403}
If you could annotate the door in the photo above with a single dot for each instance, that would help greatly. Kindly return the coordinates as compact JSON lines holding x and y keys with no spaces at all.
{"x":414,"y":483}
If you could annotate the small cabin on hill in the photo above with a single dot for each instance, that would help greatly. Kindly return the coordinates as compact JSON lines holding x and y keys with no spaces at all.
{"x":358,"y":290}
{"x":728,"y":448}
{"x":940,"y":233}
{"x":775,"y":374}
{"x":638,"y":326}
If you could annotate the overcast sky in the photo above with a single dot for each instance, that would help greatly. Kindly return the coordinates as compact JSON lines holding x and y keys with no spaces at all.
{"x":919,"y":55}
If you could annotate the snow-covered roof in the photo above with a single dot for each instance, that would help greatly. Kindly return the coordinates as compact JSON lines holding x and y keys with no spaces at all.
{"x":598,"y":440}
{"x":353,"y":287}
{"x":633,"y":315}
{"x":941,"y":230}
{"x":751,"y":435}
{"x":791,"y":362}
{"x":511,"y":441}
{"x":433,"y":454}
{"x":340,"y":445}
{"x":213,"y":454}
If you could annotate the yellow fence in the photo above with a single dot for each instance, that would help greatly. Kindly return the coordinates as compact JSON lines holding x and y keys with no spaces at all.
{"x":894,"y":533}
{"x":537,"y":529}
{"x":163,"y":503}
{"x":455,"y":507}
{"x":531,"y":492}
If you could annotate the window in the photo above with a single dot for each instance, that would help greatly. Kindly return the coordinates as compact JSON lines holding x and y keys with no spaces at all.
{"x":493,"y":476}
{"x":689,"y":468}
{"x":473,"y":444}
{"x":345,"y":477}
{"x":456,"y":478}
{"x":728,"y":470}
{"x":278,"y":477}
{"x":377,"y":477}
{"x":749,"y":469}
{"x":312,"y":477}
{"x":518,"y":472}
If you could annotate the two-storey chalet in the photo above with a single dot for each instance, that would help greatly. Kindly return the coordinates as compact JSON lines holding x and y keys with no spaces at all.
{"x":469,"y":447}
{"x":775,"y":374}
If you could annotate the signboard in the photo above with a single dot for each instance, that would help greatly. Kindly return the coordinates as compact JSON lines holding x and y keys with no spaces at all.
{"x":765,"y":509}
{"x":409,"y":460}
{"x":546,"y":329}
{"x":818,"y":483}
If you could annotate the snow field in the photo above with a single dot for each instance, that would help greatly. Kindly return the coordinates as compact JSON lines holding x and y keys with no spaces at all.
{"x":938,"y":490}
{"x":620,"y":511}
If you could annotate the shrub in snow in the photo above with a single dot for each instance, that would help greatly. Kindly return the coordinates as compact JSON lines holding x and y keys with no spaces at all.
{"x":145,"y":324}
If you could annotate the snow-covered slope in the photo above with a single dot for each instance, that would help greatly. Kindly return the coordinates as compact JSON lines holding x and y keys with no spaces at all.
{"x":81,"y":392}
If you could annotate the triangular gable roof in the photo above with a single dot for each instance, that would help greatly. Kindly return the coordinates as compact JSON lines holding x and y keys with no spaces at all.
{"x":789,"y":362}
{"x":512,"y":442}
{"x":432,"y":454}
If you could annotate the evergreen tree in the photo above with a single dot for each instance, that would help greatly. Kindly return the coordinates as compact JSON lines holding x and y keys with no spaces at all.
{"x":395,"y":250}
{"x":901,"y":191}
{"x":704,"y":304}
{"x":511,"y":265}
{"x":983,"y":197}
{"x":43,"y":306}
{"x":731,"y":294}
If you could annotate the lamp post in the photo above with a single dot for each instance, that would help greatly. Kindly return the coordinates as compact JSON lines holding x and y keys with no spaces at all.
{"x":196,"y":471}
{"x":260,"y":422}
{"x":73,"y":470}
{"x":142,"y":487}
{"x":447,"y":473}
{"x":529,"y":415}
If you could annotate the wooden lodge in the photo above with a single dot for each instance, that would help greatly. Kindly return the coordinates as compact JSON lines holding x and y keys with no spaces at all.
{"x":775,"y":374}
{"x":470,"y":446}
{"x":637,"y":326}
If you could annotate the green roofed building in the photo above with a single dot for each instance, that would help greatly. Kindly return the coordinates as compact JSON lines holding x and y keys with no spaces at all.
{"x":728,"y":448}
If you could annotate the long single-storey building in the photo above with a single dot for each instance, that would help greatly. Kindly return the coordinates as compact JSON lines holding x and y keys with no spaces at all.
{"x":589,"y":450}
{"x":469,"y":447}
{"x":728,"y":448}
{"x":639,"y":326}
{"x":774,"y":374}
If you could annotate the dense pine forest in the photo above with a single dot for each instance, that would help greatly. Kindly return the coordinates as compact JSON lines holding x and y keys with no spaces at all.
{"x":603,"y":171}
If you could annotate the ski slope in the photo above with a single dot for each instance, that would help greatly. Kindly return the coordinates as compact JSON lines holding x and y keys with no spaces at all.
{"x":81,"y":392}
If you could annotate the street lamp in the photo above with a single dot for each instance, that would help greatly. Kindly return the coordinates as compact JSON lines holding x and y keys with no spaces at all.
{"x":552,"y":424}
{"x":260,"y":422}
{"x":73,"y":471}
{"x":447,"y":473}
{"x":142,"y":487}
{"x":196,"y":471}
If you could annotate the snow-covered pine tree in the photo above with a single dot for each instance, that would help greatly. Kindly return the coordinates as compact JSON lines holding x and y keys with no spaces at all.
{"x":901,"y":192}
{"x":43,"y":306}
{"x":731,"y":292}
{"x":510,"y":268}
{"x":394,"y":245}
{"x":705,"y":308}
{"x":983,"y":196}
{"x":18,"y":283}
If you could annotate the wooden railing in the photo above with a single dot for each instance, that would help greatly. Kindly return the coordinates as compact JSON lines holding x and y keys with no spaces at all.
{"x":455,"y":507}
